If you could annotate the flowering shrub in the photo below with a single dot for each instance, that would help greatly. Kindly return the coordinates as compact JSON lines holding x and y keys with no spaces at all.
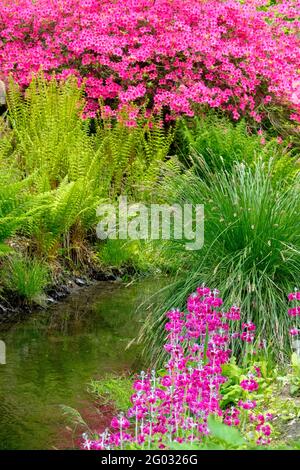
{"x":159,"y":54}
{"x":174,"y":405}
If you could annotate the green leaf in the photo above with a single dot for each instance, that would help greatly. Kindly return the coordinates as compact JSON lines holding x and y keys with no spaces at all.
{"x":230,"y":435}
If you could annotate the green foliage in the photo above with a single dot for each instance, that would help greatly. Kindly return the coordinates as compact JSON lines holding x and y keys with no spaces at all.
{"x":50,"y":136}
{"x":251,"y":249}
{"x":133,"y":256}
{"x":292,"y":445}
{"x":56,"y":168}
{"x":74,"y":418}
{"x":13,"y":197}
{"x":55,"y":218}
{"x":4,"y":249}
{"x":27,"y":278}
{"x":277,"y":122}
{"x":116,"y":390}
{"x":284,"y":407}
{"x":231,"y":390}
{"x":295,"y":376}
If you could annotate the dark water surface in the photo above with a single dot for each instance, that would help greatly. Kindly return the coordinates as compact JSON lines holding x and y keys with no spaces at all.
{"x":52,"y":356}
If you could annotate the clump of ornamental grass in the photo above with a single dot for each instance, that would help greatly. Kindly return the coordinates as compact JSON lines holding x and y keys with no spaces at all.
{"x":251,"y":248}
{"x":134,"y":256}
{"x":25,"y":277}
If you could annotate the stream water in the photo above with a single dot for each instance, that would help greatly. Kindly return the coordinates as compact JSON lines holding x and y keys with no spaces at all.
{"x":52,"y":356}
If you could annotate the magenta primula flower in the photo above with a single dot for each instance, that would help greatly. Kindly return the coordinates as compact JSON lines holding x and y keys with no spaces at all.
{"x":247,"y":405}
{"x":266,"y":430}
{"x":175,"y":404}
{"x":202,"y":291}
{"x":247,"y":337}
{"x":258,"y":371}
{"x":294,"y":312}
{"x":166,"y":381}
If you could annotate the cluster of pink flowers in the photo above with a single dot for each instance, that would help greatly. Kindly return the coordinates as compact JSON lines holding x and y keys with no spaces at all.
{"x":175,"y":404}
{"x":294,"y":312}
{"x":159,"y":55}
{"x":261,"y":426}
